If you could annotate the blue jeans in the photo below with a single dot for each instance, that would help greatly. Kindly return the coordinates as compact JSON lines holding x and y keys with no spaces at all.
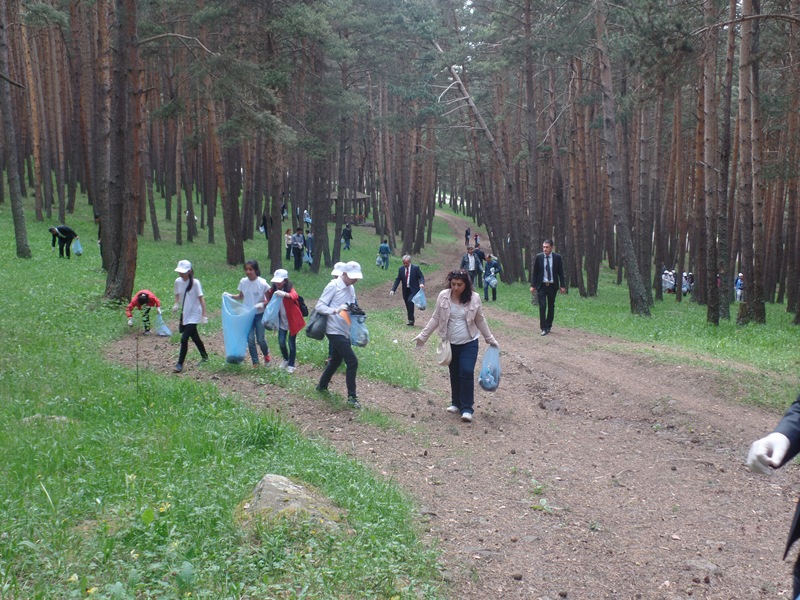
{"x":385,"y":259}
{"x":289,"y":353}
{"x":257,"y":333}
{"x":342,"y":350}
{"x":462,"y":375}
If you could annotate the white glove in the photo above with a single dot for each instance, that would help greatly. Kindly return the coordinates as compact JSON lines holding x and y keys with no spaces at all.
{"x":175,"y":307}
{"x":259,"y":306}
{"x":281,"y":293}
{"x":343,"y":307}
{"x":159,"y":310}
{"x":52,"y":248}
{"x":204,"y":320}
{"x":228,"y":294}
{"x":767,"y":452}
{"x":391,"y":293}
{"x":130,"y":322}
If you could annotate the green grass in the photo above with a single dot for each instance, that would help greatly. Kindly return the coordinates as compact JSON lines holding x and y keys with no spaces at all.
{"x":126,"y":484}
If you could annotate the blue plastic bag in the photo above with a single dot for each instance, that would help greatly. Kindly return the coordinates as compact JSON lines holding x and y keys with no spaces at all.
{"x":237,"y":320}
{"x":77,"y":247}
{"x":272,"y":313}
{"x":359,"y":334}
{"x":491,"y":281}
{"x":419,"y":300}
{"x":489,"y":378}
{"x":161,"y":327}
{"x":308,"y":258}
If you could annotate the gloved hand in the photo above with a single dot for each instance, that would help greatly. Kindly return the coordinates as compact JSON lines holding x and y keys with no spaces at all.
{"x":227,"y":294}
{"x":130,"y":322}
{"x":259,"y":306}
{"x":391,"y":293}
{"x":767,"y":452}
{"x":159,"y":310}
{"x":204,"y":320}
{"x":175,"y":307}
{"x":281,"y":293}
{"x":343,"y":308}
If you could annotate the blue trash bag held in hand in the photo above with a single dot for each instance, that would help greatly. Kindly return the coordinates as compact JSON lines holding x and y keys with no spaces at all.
{"x":272,"y":313}
{"x":237,"y":320}
{"x":161,"y":327}
{"x":489,"y":378}
{"x":77,"y":247}
{"x":359,"y":334}
{"x":419,"y":300}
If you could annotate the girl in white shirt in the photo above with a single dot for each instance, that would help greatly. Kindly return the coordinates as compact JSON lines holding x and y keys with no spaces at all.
{"x":189,"y":299}
{"x":252,"y":292}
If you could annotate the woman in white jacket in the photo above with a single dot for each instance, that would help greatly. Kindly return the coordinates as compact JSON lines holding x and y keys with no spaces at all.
{"x":459,"y":319}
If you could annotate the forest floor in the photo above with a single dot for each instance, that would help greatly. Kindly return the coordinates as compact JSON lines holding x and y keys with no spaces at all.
{"x":596,"y":470}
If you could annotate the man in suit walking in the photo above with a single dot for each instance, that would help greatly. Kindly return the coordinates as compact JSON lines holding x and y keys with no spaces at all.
{"x":548,"y":275}
{"x":412,"y":280}
{"x":470,"y":263}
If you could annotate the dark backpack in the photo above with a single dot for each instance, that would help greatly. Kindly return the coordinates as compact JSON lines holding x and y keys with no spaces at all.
{"x":302,"y":304}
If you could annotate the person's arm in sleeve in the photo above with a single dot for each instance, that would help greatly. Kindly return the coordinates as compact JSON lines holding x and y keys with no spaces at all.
{"x":421,"y":278}
{"x":483,"y":327}
{"x":431,"y":326}
{"x":325,"y":299}
{"x":202,"y":300}
{"x":397,"y":281}
{"x":130,"y":307}
{"x":779,"y":447}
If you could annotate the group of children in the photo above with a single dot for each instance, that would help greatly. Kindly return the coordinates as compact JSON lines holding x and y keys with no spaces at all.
{"x":253,"y":291}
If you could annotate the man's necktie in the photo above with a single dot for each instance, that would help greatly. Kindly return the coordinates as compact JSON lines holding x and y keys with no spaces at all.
{"x":408,"y":276}
{"x":547,"y":268}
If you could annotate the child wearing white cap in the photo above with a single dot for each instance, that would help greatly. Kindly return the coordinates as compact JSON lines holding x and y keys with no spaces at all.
{"x":189,"y":298}
{"x":333,"y":302}
{"x":290,"y":320}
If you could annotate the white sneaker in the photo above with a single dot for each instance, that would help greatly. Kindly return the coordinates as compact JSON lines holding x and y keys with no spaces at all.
{"x":453,"y":409}
{"x":466,"y":417}
{"x":290,"y":369}
{"x":284,"y":364}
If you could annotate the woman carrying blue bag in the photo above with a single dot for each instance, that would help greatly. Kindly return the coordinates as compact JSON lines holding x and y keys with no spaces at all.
{"x":252,"y":292}
{"x":290,"y":316}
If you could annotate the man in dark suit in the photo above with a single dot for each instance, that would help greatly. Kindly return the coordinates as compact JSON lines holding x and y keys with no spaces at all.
{"x":412,"y":280}
{"x":548,"y":275}
{"x":470,"y":263}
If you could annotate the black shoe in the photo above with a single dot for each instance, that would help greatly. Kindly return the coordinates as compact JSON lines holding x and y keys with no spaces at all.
{"x":353,"y":402}
{"x":321,"y":390}
{"x":410,"y":323}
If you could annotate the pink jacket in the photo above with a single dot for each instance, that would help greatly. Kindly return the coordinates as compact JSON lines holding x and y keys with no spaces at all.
{"x":475,"y":319}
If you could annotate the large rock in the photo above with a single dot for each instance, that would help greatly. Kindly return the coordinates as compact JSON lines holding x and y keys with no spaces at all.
{"x":277,"y":497}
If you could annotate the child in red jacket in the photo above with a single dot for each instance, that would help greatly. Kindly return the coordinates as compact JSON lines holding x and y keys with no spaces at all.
{"x":144,"y":300}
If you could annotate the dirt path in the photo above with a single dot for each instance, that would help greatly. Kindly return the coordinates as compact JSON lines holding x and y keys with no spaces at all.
{"x":593,"y":472}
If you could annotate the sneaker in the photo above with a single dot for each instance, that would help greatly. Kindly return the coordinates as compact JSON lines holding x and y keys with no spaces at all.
{"x":353,"y":402}
{"x":284,"y":364}
{"x":178,"y":368}
{"x":146,"y":332}
{"x":290,"y":369}
{"x":267,"y":359}
{"x":544,"y":331}
{"x":466,"y":417}
{"x":321,"y":390}
{"x":453,"y":409}
{"x":202,"y":361}
{"x":255,"y":365}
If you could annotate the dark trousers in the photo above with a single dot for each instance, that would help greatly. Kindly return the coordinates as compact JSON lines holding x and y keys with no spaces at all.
{"x":407,"y":296}
{"x":486,"y":288}
{"x":190,"y":331}
{"x":64,"y":245}
{"x":288,"y":252}
{"x":546,"y":295}
{"x":146,"y":318}
{"x":298,"y":258}
{"x":479,"y":278}
{"x":462,"y":375}
{"x":341,"y":350}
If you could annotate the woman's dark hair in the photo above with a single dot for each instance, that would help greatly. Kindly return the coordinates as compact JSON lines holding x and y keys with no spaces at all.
{"x":287,"y":286}
{"x":190,"y":273}
{"x":254,"y":264}
{"x":143,"y":299}
{"x":466,"y":295}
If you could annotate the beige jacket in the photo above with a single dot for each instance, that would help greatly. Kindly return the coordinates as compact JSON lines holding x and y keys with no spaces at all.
{"x":475,"y":319}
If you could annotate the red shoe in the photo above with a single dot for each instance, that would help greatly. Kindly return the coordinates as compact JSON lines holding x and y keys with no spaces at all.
{"x":267,"y":359}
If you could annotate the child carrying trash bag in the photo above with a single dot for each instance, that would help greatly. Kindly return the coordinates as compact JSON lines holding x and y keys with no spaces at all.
{"x":144,"y":300}
{"x":252,"y":294}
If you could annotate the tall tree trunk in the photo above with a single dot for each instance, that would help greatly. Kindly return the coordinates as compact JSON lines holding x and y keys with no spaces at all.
{"x":639,"y":296}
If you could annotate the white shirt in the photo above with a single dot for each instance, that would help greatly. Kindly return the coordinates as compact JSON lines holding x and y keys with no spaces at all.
{"x":548,"y":259}
{"x":253,"y":291}
{"x":457,"y":330}
{"x":192,"y":309}
{"x":335,"y":294}
{"x":470,"y":262}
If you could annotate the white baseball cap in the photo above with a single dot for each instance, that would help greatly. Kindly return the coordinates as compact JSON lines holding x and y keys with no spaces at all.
{"x":337,"y":269}
{"x":280,"y":275}
{"x":352,"y":270}
{"x":184,"y":266}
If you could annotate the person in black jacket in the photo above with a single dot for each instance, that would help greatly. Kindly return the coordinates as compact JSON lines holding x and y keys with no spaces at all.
{"x":548,"y":275}
{"x":412,"y":279}
{"x":772,"y":452}
{"x":65,"y":235}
